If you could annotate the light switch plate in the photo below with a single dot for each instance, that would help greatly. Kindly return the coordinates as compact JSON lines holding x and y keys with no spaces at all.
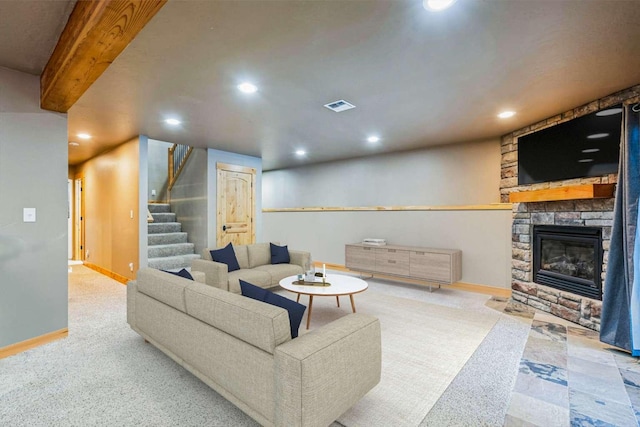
{"x":29,"y":214}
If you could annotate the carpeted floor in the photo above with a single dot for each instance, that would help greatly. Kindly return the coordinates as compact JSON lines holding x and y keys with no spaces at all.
{"x":459,"y":364}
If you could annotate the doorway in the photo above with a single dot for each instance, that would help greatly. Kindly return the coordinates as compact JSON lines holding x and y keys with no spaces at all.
{"x":79,"y":220}
{"x":235,"y":205}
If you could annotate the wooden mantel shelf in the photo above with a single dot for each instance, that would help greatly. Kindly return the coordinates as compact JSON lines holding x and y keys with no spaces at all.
{"x":570,"y":192}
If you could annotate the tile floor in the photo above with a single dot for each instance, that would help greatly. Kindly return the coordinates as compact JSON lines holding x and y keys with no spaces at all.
{"x":567,"y":377}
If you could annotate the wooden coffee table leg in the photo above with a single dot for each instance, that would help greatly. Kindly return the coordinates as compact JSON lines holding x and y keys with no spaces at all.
{"x":353,"y":305}
{"x":338,"y":300}
{"x":309,"y":310}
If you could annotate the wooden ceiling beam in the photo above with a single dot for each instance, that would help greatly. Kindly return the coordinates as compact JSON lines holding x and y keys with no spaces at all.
{"x":96,"y":33}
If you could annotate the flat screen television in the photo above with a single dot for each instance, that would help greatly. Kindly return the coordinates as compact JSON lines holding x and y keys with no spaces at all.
{"x":583,"y":147}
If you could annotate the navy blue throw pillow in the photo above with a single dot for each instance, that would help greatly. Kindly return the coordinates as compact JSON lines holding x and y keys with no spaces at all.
{"x":279,"y":254}
{"x":296,"y":310}
{"x":182,"y":273}
{"x":227,"y":256}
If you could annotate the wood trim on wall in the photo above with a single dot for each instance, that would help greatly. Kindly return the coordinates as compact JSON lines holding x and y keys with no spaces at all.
{"x":488,"y":207}
{"x":469,"y":287}
{"x":115,"y":276}
{"x":25,"y":345}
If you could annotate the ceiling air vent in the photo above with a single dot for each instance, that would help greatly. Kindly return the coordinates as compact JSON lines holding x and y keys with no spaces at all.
{"x":339,"y":106}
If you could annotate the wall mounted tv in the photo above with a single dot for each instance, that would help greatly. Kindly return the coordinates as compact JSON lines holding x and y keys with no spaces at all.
{"x":582,"y":147}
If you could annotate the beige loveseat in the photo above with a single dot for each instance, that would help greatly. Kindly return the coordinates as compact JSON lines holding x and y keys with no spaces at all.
{"x":255,"y":267}
{"x":242,"y":348}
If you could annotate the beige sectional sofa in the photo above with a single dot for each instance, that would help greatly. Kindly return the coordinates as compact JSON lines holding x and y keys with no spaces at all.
{"x":242,"y":348}
{"x":255,"y":267}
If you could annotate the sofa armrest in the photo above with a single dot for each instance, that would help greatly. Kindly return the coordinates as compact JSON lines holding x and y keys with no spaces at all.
{"x":301,"y":258}
{"x":199,"y":276}
{"x":320,"y":375}
{"x":216,"y":273}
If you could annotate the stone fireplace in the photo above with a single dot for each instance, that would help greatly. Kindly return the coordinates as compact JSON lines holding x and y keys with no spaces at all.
{"x":566,"y":279}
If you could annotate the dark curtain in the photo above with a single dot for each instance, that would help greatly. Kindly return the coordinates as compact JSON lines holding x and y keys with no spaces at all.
{"x":620,"y":321}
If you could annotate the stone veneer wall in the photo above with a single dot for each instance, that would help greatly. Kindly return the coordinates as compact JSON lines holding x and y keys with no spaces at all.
{"x":589,"y":213}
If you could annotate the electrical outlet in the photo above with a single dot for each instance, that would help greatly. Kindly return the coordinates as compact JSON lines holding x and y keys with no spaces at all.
{"x":131,"y":266}
{"x":87,"y":254}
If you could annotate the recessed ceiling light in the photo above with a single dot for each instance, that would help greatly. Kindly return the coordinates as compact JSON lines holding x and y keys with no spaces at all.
{"x":585,"y":160}
{"x":609,"y":112}
{"x":598,"y":135}
{"x":173,"y":122}
{"x":437,"y":5}
{"x":373,"y":139}
{"x":74,"y":144}
{"x":84,"y":136}
{"x":247,"y":87}
{"x":506,"y":114}
{"x":300,"y":152}
{"x":590,"y":150}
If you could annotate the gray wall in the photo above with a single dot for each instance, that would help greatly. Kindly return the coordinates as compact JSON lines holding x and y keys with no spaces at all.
{"x":216,"y":156}
{"x":463,"y":174}
{"x":33,"y":173}
{"x":158,"y":158}
{"x":483,"y":236}
{"x":189,"y":198}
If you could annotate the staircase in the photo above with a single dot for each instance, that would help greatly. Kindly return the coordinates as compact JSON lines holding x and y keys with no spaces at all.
{"x":168,"y":248}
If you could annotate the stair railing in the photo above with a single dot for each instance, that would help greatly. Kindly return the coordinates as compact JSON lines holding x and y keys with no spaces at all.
{"x":178,"y":156}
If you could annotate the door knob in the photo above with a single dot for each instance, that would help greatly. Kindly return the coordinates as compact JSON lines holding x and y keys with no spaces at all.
{"x":224,"y":228}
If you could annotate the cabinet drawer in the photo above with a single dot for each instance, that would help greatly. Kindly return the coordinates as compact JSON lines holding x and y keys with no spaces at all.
{"x":431,"y":266}
{"x":392,"y":261}
{"x":359,"y":258}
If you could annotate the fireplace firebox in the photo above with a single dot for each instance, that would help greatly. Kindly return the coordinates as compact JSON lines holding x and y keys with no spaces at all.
{"x":568,"y":258}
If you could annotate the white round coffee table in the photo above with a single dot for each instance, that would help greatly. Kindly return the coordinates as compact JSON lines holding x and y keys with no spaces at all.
{"x":340,"y":285}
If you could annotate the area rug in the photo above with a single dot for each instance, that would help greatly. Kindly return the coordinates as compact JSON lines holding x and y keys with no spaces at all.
{"x":424,"y":346}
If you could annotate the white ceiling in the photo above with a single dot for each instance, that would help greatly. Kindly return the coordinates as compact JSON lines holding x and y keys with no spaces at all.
{"x":29,"y":31}
{"x":417,"y":78}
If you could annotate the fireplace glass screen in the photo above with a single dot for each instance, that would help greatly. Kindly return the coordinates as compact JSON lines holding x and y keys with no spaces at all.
{"x":568,"y":258}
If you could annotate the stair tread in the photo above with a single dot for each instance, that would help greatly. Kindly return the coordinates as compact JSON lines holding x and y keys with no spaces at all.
{"x":159,"y":227}
{"x":195,"y":256}
{"x":168,"y":245}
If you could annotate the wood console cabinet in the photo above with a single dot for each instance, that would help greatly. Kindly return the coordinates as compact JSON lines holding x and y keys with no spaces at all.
{"x":439,"y":266}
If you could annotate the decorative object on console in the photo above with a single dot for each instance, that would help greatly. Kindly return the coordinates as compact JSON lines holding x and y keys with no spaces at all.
{"x":374,"y":242}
